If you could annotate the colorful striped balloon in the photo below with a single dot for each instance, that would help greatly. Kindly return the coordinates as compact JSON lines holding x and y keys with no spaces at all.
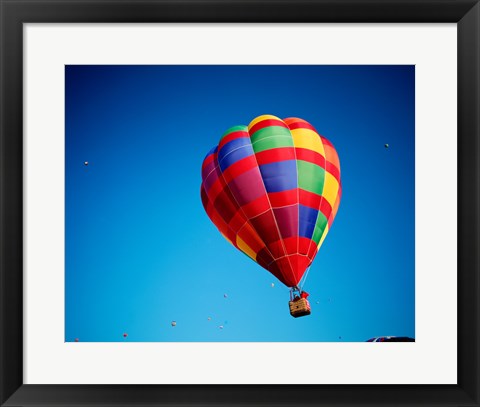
{"x":273,"y":189}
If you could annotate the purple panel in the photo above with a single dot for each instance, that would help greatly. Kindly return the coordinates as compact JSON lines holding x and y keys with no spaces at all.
{"x":287,"y":220}
{"x":247,"y":186}
{"x":210,"y":180}
{"x":266,"y":228}
{"x":208,"y":168}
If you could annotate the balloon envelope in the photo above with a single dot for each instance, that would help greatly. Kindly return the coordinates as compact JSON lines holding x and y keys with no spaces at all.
{"x":273,"y":189}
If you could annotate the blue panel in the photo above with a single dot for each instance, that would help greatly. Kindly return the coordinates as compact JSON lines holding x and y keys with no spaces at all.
{"x":234,"y":151}
{"x":279,"y":176}
{"x":307,"y":217}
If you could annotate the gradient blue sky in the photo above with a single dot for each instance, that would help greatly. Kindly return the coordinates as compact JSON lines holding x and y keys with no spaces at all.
{"x":140,"y":250}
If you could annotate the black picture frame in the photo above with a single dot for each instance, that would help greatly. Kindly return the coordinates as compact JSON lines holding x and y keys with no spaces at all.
{"x":14,"y":13}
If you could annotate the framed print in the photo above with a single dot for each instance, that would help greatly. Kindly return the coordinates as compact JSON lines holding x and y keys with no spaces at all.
{"x":170,"y":173}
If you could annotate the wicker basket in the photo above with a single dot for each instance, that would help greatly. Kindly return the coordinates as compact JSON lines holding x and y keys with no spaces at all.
{"x":299,"y":308}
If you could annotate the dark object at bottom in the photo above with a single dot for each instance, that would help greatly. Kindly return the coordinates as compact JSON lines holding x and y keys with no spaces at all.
{"x":392,"y":339}
{"x":299,"y":307}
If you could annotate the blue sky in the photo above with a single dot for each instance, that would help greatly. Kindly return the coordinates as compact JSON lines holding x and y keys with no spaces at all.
{"x":140,"y":250}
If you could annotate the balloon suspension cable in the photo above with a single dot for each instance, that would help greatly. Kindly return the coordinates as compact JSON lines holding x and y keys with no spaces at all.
{"x":294,"y":291}
{"x":304,"y":279}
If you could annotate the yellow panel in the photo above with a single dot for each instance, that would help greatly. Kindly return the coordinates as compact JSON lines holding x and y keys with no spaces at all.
{"x":260,"y":118}
{"x":325,"y":232}
{"x":246,"y":248}
{"x":330,"y":189}
{"x":306,"y":138}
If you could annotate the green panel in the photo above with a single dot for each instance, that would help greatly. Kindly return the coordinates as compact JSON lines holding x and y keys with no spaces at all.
{"x":270,"y":131}
{"x":272,"y":142}
{"x":310,"y":177}
{"x":233,"y":129}
{"x":319,"y":227}
{"x":271,"y":137}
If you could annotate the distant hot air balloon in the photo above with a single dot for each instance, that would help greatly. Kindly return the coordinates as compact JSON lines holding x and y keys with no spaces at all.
{"x":85,"y":163}
{"x":125,"y":335}
{"x":174,"y":323}
{"x":272,"y":189}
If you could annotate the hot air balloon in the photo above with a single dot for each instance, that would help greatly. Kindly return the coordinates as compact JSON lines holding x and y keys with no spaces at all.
{"x":272,"y":189}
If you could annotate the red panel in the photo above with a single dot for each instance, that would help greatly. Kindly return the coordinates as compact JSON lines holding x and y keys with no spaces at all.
{"x":311,"y":156}
{"x":325,"y":208}
{"x":291,"y":244}
{"x":333,"y":170}
{"x":296,"y":123}
{"x":208,"y":159}
{"x":232,"y":236}
{"x":290,"y":278}
{"x":312,"y":251}
{"x":232,"y":136}
{"x":220,"y":224}
{"x":237,"y":221}
{"x":266,"y":228}
{"x":207,"y":169}
{"x":275,"y":270}
{"x":256,"y":207}
{"x":326,"y":141}
{"x":275,"y":155}
{"x":203,"y":196}
{"x":267,"y":123}
{"x":309,"y":199}
{"x":264,"y":258}
{"x":218,"y":221}
{"x":234,"y":170}
{"x":225,"y":205}
{"x":215,"y":189}
{"x":276,"y":248}
{"x":210,"y":179}
{"x":303,"y":244}
{"x":299,"y":265}
{"x":283,"y":198}
{"x":249,"y":236}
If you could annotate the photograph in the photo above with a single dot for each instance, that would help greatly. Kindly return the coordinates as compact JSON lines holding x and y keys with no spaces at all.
{"x":240,"y":203}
